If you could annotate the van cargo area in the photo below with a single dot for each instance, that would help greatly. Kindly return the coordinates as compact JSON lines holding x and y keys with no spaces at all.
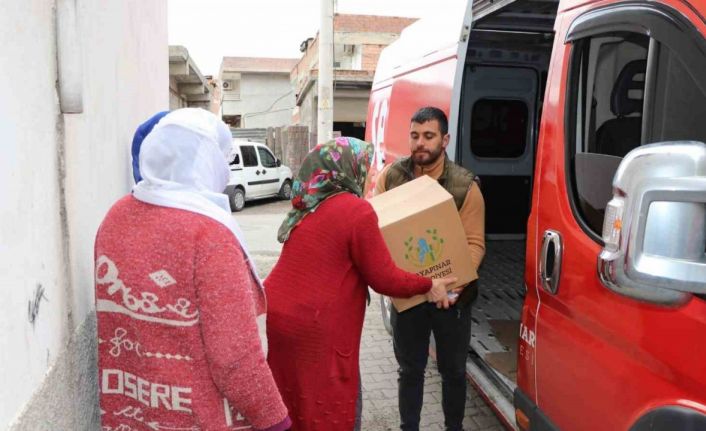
{"x":505,"y":73}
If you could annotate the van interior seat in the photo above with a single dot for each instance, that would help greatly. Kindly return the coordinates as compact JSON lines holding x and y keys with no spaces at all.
{"x":594,"y":185}
{"x":616,"y":137}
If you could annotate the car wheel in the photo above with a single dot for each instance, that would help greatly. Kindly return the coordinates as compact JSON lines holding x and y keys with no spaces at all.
{"x":386,"y":308}
{"x":237,"y":199}
{"x":285,"y":192}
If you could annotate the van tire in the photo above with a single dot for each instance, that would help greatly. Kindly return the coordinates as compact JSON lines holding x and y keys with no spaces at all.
{"x":285,"y":192}
{"x":236,"y":197}
{"x":386,"y":310}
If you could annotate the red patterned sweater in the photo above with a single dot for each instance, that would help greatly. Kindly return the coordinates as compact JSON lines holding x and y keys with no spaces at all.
{"x":179,"y":347}
{"x":316,"y":305}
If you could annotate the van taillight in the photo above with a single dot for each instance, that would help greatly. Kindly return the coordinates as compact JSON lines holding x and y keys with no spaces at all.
{"x":523,"y":422}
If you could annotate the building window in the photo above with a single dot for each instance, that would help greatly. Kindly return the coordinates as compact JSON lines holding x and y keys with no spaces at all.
{"x":234,"y":121}
{"x":347,"y":57}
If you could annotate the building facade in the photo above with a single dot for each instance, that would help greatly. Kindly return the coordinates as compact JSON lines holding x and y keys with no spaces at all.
{"x":90,"y":73}
{"x":257,"y":92}
{"x":188,"y":88}
{"x":358,"y":41}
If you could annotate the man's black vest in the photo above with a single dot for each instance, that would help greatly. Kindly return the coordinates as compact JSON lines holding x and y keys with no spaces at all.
{"x":455,"y":179}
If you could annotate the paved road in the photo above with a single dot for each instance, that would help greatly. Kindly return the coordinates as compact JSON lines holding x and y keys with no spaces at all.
{"x":260,"y":221}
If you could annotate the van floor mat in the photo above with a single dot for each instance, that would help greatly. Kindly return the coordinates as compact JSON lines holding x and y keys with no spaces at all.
{"x":503,"y":362}
{"x":507,"y":332}
{"x":500,"y":298}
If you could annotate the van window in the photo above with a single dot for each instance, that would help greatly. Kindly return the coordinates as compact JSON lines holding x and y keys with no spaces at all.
{"x":249,"y":156}
{"x":607,"y":86}
{"x":499,"y":128}
{"x":611,"y":113}
{"x":267,"y":159}
{"x":679,"y":101}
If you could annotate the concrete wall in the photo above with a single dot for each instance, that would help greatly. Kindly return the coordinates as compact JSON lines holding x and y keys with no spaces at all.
{"x":176,"y":100}
{"x":308,"y":111}
{"x":59,"y":174}
{"x":266,"y":100}
{"x":351,"y":107}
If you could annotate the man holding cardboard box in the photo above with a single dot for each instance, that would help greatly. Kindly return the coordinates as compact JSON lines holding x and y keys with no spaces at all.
{"x":412,"y":327}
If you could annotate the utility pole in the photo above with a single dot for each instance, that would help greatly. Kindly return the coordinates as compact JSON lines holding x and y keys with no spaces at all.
{"x":325,"y":80}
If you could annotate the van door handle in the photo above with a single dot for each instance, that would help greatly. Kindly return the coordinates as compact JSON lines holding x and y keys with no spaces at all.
{"x":257,"y":172}
{"x":264,"y":171}
{"x":550,"y":261}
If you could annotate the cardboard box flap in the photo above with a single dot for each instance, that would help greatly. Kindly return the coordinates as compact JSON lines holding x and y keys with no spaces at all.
{"x":408,"y":199}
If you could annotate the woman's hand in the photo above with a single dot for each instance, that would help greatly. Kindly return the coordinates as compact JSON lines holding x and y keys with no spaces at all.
{"x":438,"y":293}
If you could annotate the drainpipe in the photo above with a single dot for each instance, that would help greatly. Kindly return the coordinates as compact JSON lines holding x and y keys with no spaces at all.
{"x":70,"y":92}
{"x":325,"y":107}
{"x":69,"y":65}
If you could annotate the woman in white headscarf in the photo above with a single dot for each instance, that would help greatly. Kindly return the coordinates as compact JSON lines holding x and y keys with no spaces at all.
{"x":177,"y":295}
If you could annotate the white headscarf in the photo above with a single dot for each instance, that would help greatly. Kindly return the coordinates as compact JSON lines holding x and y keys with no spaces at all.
{"x":183,"y":165}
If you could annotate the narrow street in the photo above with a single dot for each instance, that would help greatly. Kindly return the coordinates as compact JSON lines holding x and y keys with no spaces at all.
{"x":259,"y":222}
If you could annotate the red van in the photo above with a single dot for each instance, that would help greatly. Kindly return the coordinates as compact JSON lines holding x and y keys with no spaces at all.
{"x":585,"y":121}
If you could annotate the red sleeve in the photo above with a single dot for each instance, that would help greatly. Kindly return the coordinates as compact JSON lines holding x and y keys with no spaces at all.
{"x":372,"y":258}
{"x":227,"y":315}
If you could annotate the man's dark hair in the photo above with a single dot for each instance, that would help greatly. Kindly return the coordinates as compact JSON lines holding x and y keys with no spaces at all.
{"x":429,"y":113}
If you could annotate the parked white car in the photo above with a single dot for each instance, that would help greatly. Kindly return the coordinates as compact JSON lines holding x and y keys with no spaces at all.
{"x":255,"y":173}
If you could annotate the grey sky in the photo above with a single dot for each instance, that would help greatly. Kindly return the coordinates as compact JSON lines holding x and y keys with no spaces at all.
{"x":211,"y":29}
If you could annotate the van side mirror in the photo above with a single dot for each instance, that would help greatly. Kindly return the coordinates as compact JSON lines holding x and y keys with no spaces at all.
{"x":279,"y":163}
{"x":655,"y":226}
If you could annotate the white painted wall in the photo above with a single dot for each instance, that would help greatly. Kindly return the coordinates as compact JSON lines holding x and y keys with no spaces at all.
{"x":46,"y":236}
{"x":266,"y":100}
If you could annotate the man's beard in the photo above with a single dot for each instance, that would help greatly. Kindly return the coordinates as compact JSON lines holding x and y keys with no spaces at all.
{"x":432,"y":157}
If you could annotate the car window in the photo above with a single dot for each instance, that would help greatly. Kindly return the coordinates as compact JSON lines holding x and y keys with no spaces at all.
{"x":267,"y":159}
{"x":249,"y":156}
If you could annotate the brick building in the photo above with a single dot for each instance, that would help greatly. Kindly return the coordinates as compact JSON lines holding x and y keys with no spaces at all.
{"x":358,"y":41}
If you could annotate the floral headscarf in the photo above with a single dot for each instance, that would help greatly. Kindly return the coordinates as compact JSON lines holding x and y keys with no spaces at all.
{"x":338,"y":166}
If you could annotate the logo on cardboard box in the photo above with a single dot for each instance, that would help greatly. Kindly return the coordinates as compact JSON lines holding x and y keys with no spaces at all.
{"x":425,"y":250}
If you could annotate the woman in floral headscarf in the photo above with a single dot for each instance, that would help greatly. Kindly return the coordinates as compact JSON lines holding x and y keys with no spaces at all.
{"x":316,"y":293}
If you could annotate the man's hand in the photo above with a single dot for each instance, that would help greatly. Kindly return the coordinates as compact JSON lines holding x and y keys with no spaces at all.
{"x":438,"y":293}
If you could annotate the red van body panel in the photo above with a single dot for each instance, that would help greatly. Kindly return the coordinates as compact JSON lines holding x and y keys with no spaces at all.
{"x":598,"y":354}
{"x":394,"y":102}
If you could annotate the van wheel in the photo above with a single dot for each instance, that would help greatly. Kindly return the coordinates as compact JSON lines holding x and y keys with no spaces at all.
{"x":386,"y":309}
{"x":285,"y":192}
{"x":237,"y":199}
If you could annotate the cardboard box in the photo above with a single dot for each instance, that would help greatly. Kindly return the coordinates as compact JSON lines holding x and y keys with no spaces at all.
{"x":423,"y":231}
